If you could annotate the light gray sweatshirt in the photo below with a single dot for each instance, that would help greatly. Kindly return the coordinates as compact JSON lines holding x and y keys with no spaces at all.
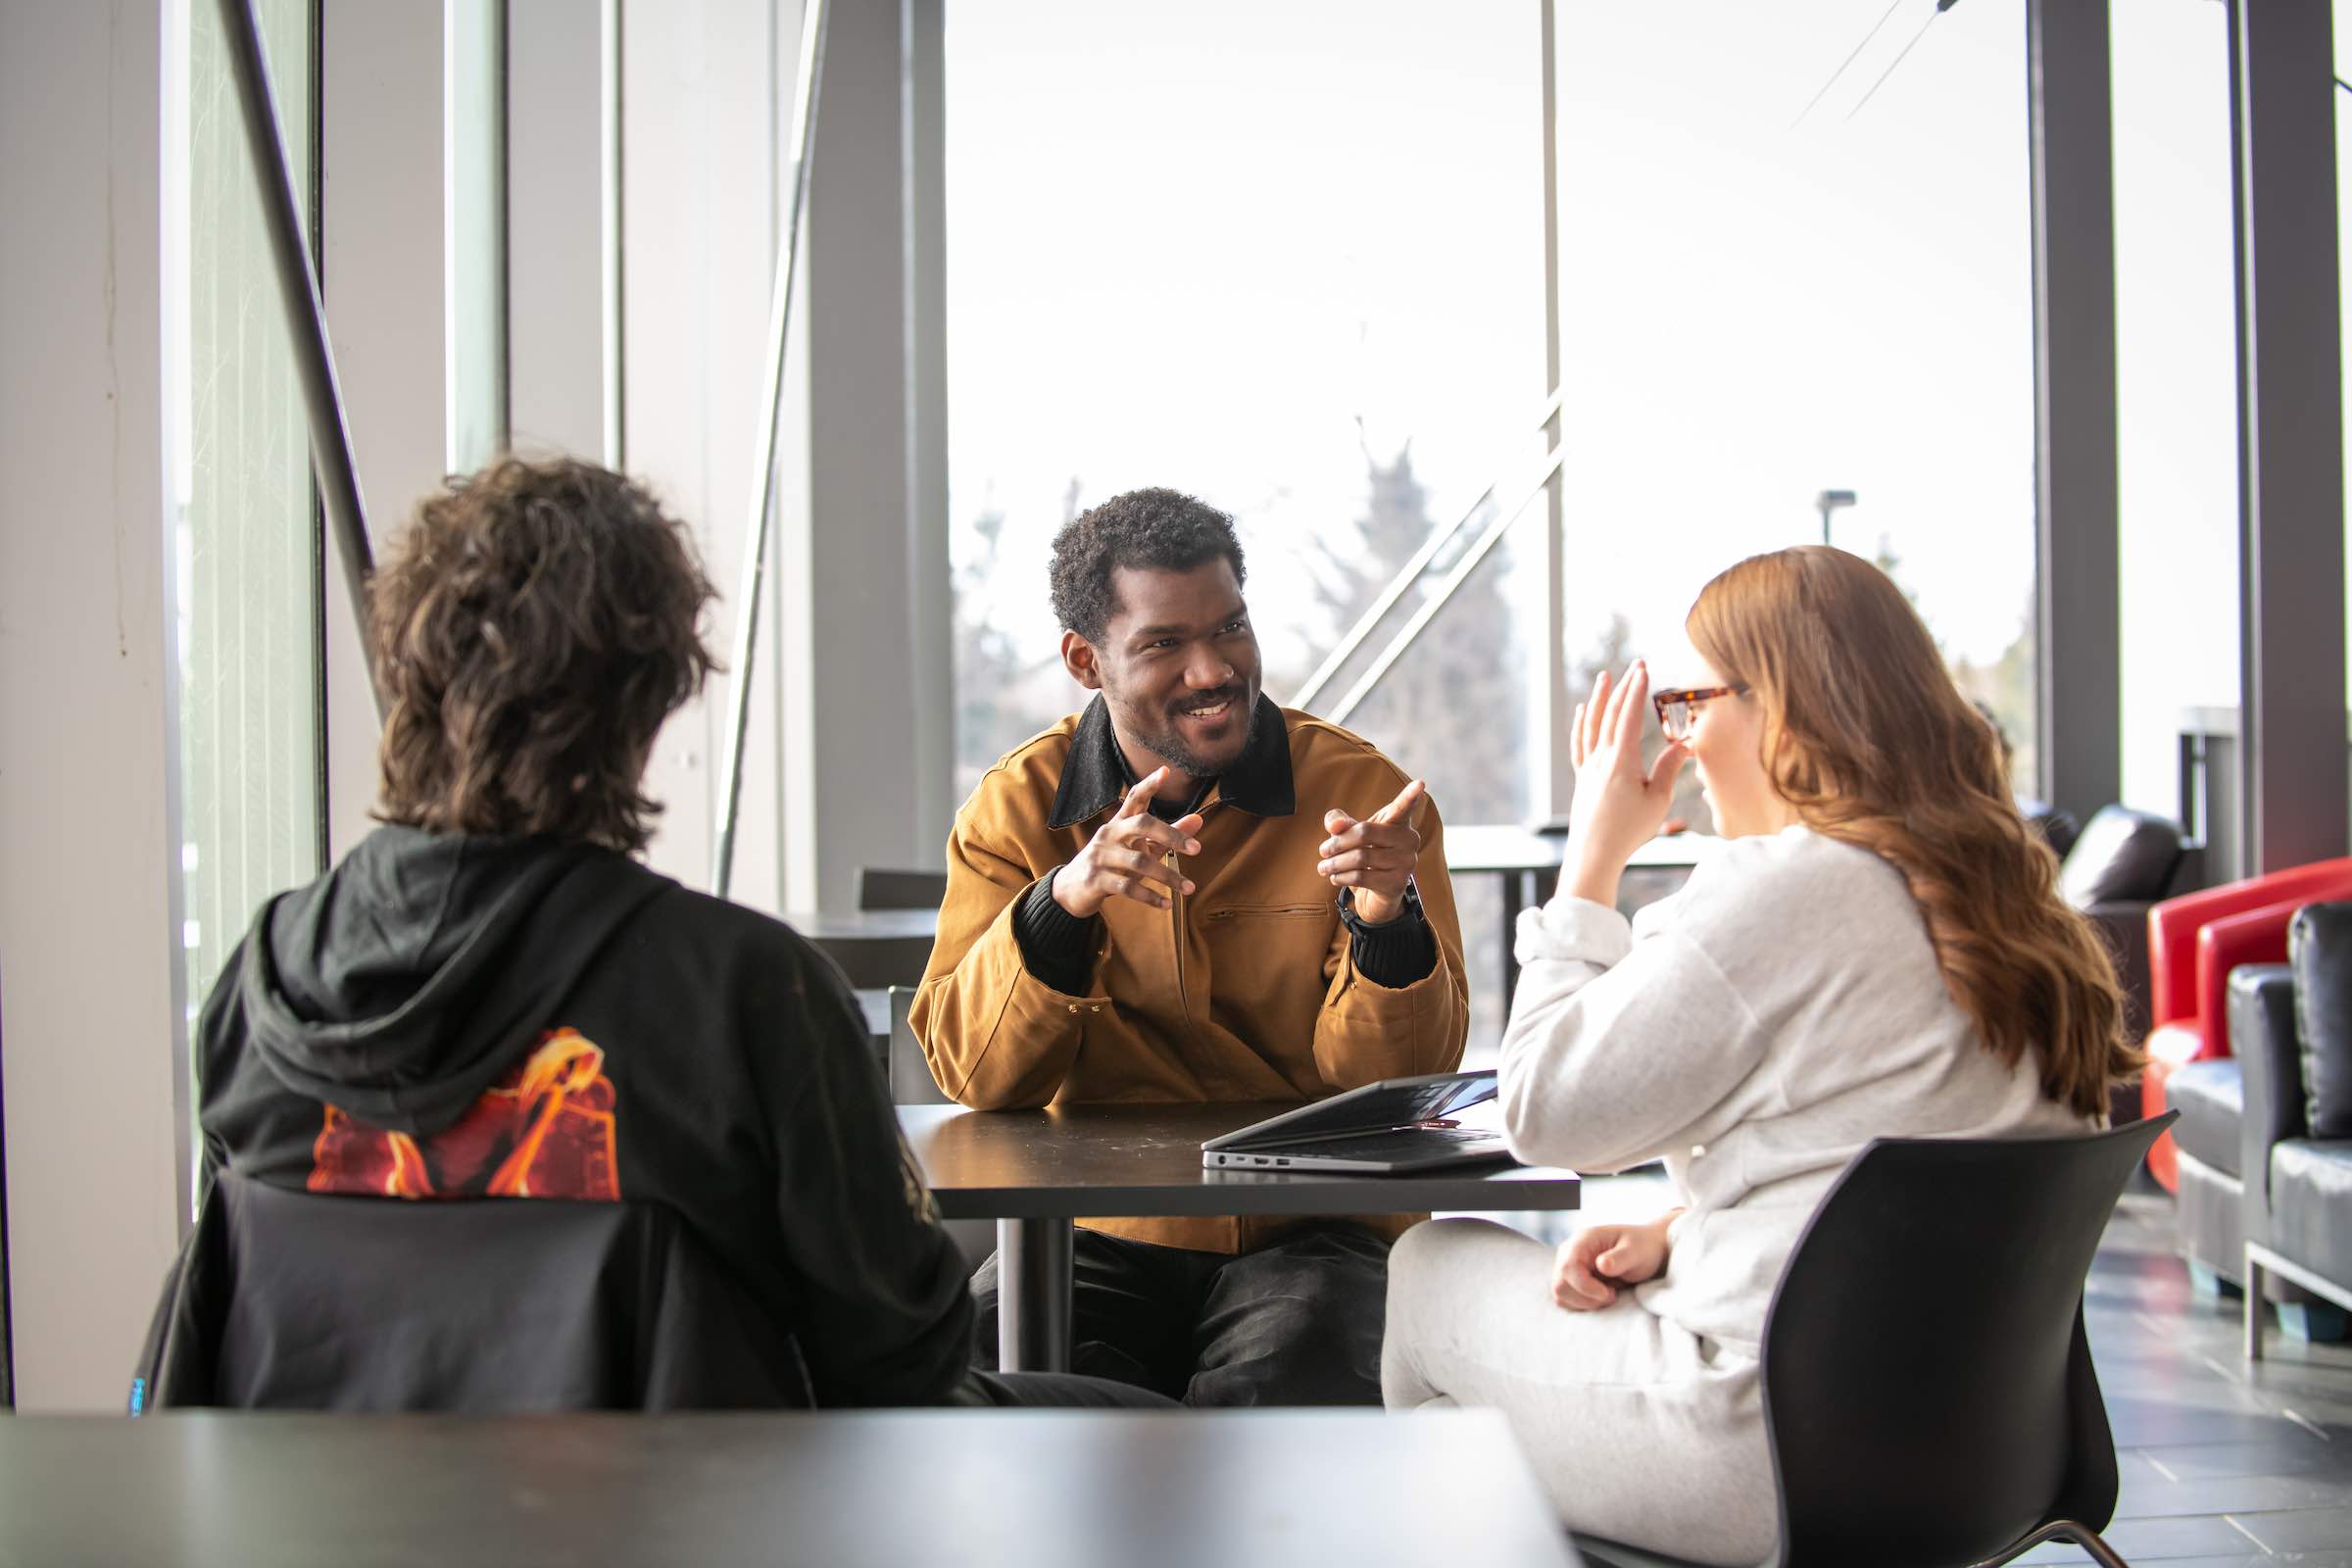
{"x":1755,"y":1030}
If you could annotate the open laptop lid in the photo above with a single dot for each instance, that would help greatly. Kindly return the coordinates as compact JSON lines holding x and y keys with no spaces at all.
{"x":1375,"y":1107}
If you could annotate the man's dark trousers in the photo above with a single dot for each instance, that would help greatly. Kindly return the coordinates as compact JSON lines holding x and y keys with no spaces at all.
{"x":1296,"y":1322}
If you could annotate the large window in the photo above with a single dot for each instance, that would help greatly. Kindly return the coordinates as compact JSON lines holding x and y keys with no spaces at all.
{"x":246,"y":570}
{"x":1286,"y":258}
{"x":2176,"y":392}
{"x":1766,"y":302}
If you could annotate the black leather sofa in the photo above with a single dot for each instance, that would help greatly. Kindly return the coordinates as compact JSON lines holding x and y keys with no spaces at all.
{"x":2218,"y":1141}
{"x":2058,"y":827}
{"x":2121,"y":864}
{"x":2265,"y":1134}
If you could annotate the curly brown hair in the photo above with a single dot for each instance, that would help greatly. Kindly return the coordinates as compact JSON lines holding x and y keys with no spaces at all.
{"x":1868,"y":739}
{"x":1160,"y":529}
{"x":531,"y":631}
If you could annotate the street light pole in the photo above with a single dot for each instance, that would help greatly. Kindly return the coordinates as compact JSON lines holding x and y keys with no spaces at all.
{"x":1830,"y":501}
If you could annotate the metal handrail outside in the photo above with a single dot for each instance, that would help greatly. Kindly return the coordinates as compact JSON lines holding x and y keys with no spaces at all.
{"x":1447,"y":589}
{"x":1406,"y":576}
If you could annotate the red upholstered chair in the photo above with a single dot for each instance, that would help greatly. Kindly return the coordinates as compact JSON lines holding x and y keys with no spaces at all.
{"x":2195,"y":941}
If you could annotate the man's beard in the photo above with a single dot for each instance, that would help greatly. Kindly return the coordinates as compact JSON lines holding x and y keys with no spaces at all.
{"x":1170,"y":746}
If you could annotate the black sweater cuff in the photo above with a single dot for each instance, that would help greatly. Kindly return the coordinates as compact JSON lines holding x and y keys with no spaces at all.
{"x":1396,"y":954}
{"x":1056,"y":946}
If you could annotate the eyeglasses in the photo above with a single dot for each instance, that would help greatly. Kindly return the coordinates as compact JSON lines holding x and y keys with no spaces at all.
{"x":1677,"y":709}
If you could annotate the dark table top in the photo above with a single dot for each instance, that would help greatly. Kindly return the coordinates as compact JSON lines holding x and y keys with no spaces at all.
{"x":1230,"y":1488}
{"x":864,"y":925}
{"x":874,"y":948}
{"x":1145,"y":1160}
{"x":1502,"y":847}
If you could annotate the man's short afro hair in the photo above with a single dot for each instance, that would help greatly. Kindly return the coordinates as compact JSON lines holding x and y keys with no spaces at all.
{"x":1156,"y":529}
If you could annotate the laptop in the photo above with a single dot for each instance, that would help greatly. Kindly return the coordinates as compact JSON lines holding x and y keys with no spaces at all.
{"x":1391,"y":1127}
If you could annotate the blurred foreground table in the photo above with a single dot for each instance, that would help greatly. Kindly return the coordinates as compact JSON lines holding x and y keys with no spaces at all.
{"x":845,"y":1490}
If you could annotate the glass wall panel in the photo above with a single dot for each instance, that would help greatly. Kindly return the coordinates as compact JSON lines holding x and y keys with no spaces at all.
{"x":475,"y":124}
{"x":1771,"y":294}
{"x":1285,"y":258}
{"x":246,"y":578}
{"x":2176,"y":398}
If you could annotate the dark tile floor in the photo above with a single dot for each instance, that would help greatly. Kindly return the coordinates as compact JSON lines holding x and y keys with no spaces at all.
{"x":2223,"y":1463}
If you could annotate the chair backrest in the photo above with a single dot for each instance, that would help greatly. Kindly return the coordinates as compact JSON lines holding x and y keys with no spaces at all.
{"x":2121,"y":856}
{"x":1927,"y":1387}
{"x":2319,"y":949}
{"x":496,"y":1304}
{"x":910,"y":1079}
{"x":881,"y":889}
{"x":2058,"y":827}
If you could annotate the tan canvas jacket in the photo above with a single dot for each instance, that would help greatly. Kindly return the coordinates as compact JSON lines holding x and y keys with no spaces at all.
{"x":1246,"y":990}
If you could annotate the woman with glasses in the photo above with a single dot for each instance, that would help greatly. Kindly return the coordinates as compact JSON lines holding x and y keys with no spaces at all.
{"x":1879,"y":950}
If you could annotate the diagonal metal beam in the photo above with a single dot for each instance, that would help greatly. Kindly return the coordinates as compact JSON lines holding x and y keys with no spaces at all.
{"x":1406,"y":576}
{"x":764,"y":481}
{"x":298,"y":294}
{"x":1445,"y":591}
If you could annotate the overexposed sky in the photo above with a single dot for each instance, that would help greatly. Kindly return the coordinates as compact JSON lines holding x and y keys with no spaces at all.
{"x":2175,"y":379}
{"x":1772,"y":311}
{"x":1196,"y":245}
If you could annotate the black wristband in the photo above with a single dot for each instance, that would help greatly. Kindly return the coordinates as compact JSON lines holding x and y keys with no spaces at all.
{"x":1397,"y":952}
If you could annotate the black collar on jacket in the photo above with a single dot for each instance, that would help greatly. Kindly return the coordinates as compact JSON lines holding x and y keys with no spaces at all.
{"x":1095,"y":773}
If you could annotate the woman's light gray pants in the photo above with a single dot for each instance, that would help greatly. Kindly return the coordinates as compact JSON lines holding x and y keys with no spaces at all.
{"x":1640,"y":1432}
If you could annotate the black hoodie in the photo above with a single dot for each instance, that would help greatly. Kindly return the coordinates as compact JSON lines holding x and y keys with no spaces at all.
{"x":454,"y":1016}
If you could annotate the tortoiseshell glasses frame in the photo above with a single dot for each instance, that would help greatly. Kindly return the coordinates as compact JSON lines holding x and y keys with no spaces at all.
{"x":1678,"y":708}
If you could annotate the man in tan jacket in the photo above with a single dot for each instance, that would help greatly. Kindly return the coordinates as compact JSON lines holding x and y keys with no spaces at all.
{"x":1186,"y":893}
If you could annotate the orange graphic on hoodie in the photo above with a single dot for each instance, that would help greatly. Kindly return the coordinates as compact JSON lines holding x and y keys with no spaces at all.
{"x":544,"y":1130}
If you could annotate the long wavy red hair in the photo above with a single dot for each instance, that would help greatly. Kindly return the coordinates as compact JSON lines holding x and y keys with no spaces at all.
{"x":1870,"y":741}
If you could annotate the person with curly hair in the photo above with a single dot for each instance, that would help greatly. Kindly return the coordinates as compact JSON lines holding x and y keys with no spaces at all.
{"x":1188,"y":892}
{"x":490,"y":998}
{"x":1879,"y":950}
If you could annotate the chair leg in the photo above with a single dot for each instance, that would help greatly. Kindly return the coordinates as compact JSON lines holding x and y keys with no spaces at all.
{"x":2258,"y":1309}
{"x":2068,"y":1530}
{"x":2314,"y":1322}
{"x":2209,"y":1284}
{"x":2093,"y":1544}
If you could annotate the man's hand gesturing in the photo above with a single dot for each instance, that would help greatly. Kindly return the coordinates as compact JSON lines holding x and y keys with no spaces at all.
{"x":1127,"y":857}
{"x":1375,"y":856}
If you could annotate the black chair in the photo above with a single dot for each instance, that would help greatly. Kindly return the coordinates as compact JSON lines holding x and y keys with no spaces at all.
{"x":1929,"y":1392}
{"x":908,"y":1070}
{"x":911,"y":1084}
{"x":284,"y":1299}
{"x":2058,"y":827}
{"x":2124,"y":862}
{"x":879,"y":888}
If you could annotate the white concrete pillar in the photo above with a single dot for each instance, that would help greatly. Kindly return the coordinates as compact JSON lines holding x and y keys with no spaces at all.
{"x":89,"y":941}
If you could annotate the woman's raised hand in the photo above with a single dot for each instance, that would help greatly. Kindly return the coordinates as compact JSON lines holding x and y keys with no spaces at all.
{"x":1619,"y":804}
